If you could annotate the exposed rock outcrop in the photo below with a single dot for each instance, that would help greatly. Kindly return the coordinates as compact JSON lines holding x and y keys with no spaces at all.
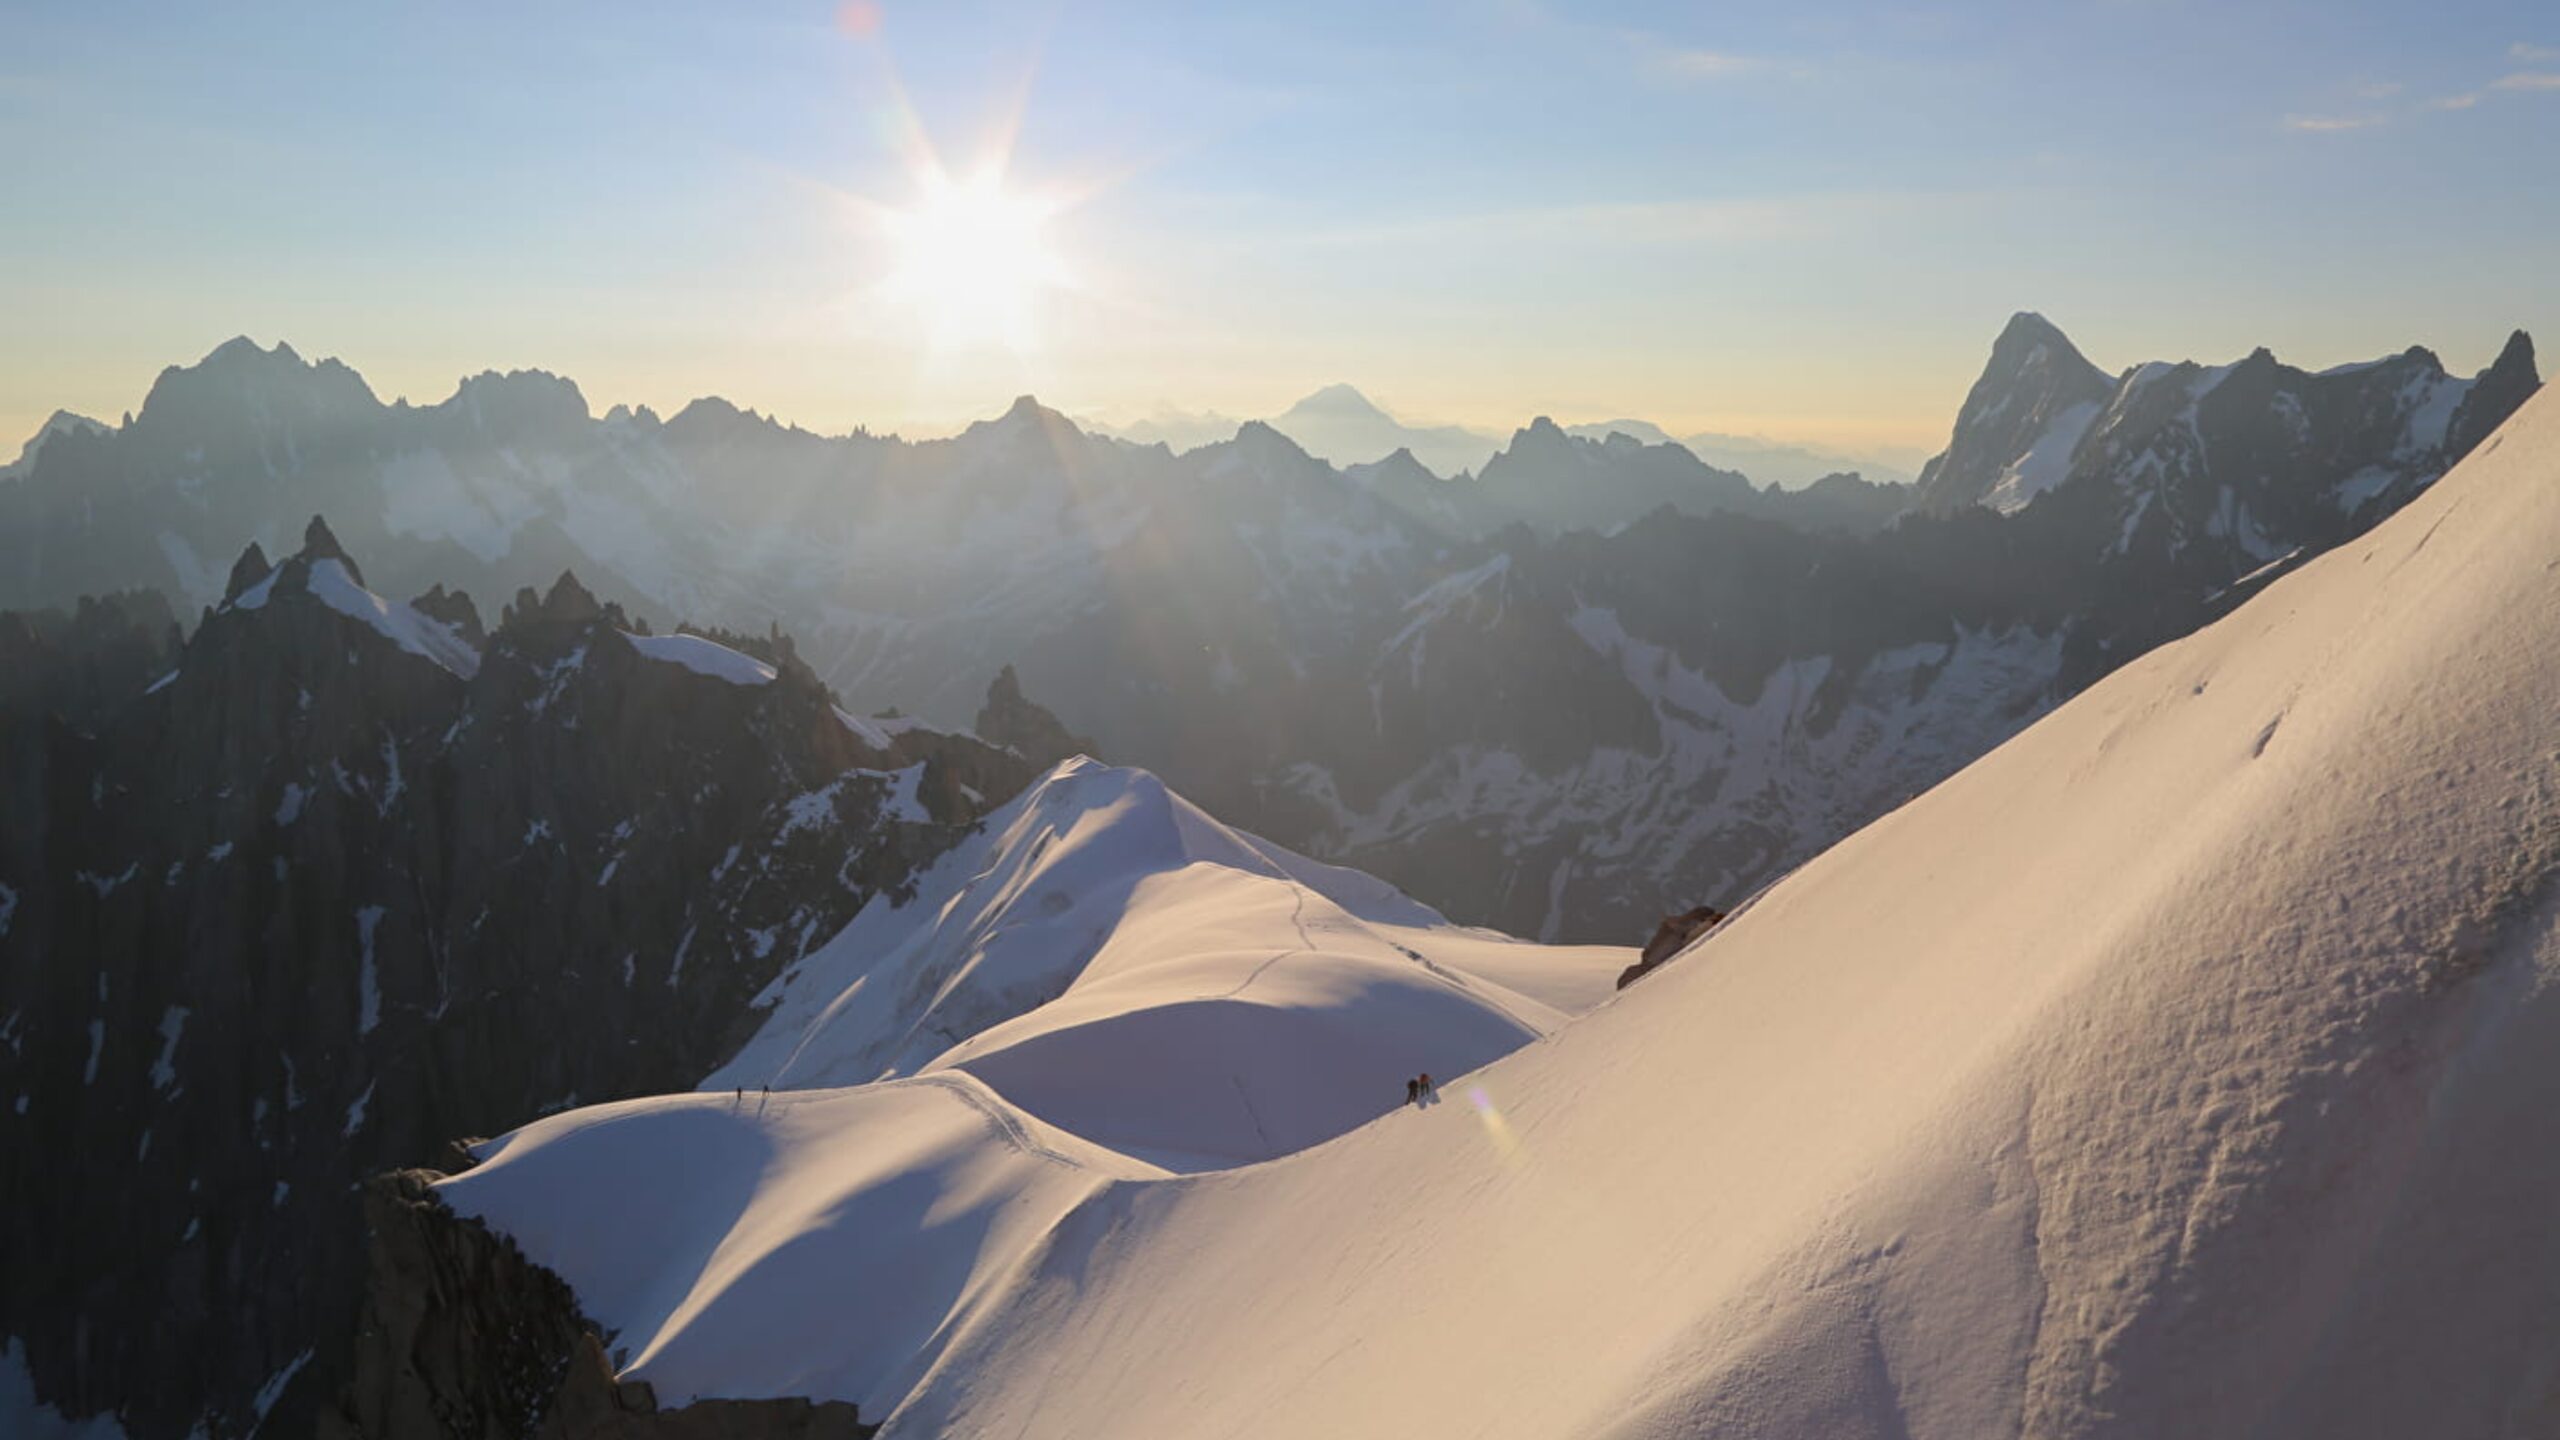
{"x":1012,"y":721}
{"x":1675,"y":934}
{"x":464,"y":1338}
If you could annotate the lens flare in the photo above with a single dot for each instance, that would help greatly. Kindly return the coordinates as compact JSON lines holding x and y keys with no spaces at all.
{"x":1497,"y":1129}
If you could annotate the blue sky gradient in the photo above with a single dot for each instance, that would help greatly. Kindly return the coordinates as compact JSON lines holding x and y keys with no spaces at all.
{"x":1802,"y":221}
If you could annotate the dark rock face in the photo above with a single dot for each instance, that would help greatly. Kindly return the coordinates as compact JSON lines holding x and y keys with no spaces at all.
{"x":84,"y":664}
{"x":592,"y":1405}
{"x":1675,"y":934}
{"x":293,"y":902}
{"x":2509,"y":381}
{"x":463,"y":1338}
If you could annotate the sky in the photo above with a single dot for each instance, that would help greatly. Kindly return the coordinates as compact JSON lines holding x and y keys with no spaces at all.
{"x":1805,"y":222}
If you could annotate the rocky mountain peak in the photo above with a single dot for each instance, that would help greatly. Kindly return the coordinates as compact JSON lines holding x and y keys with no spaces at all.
{"x":2495,"y":394}
{"x":566,"y":603}
{"x":2515,"y":358}
{"x":1011,"y":720}
{"x":1339,"y":401}
{"x":238,"y":382}
{"x":2035,"y":383}
{"x":318,"y":544}
{"x":1401,"y":466}
{"x":1027,"y":422}
{"x":2028,"y":328}
{"x":520,"y":405}
{"x":248,"y":570}
{"x":453,"y":608}
{"x":711,"y":422}
{"x":241,"y":350}
{"x":1262,"y":438}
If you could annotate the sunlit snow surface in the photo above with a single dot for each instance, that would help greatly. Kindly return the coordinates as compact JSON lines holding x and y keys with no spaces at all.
{"x":2184,"y":1067}
{"x":704,"y":657}
{"x":1104,"y":983}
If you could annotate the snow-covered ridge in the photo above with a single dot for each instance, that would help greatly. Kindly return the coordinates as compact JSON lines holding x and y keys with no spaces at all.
{"x":703,"y":657}
{"x":328,"y":581}
{"x":1096,"y":906}
{"x":402,"y":625}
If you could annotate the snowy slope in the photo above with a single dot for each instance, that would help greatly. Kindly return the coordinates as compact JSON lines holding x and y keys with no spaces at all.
{"x":810,"y":1242}
{"x":2180,"y":1068}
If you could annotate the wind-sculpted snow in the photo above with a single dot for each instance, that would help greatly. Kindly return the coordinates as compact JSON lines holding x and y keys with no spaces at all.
{"x":2180,"y":1068}
{"x":402,"y":625}
{"x":1113,"y":960}
{"x":808,"y":1242}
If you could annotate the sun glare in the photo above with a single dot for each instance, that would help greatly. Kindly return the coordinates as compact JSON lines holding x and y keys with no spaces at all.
{"x":973,"y":260}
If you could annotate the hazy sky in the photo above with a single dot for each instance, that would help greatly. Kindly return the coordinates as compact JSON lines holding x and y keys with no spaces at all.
{"x":1806,"y":221}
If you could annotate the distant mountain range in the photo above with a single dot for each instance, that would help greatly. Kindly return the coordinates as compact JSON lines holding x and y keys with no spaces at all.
{"x":1597,"y":680}
{"x":1343,"y":426}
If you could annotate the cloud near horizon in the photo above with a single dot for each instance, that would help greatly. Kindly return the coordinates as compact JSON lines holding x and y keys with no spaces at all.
{"x":2512,"y":82}
{"x":1703,"y":64}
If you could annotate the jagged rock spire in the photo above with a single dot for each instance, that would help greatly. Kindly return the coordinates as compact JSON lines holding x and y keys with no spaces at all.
{"x":454,"y":608}
{"x":1013,"y":720}
{"x":246,"y":571}
{"x":2509,"y":381}
{"x":320,"y":543}
{"x":568,"y":603}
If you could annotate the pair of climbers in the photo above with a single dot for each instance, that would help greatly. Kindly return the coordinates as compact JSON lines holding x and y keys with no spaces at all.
{"x":1419,"y":1088}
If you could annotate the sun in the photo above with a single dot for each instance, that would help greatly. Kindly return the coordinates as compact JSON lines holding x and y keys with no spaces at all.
{"x":973,"y":260}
